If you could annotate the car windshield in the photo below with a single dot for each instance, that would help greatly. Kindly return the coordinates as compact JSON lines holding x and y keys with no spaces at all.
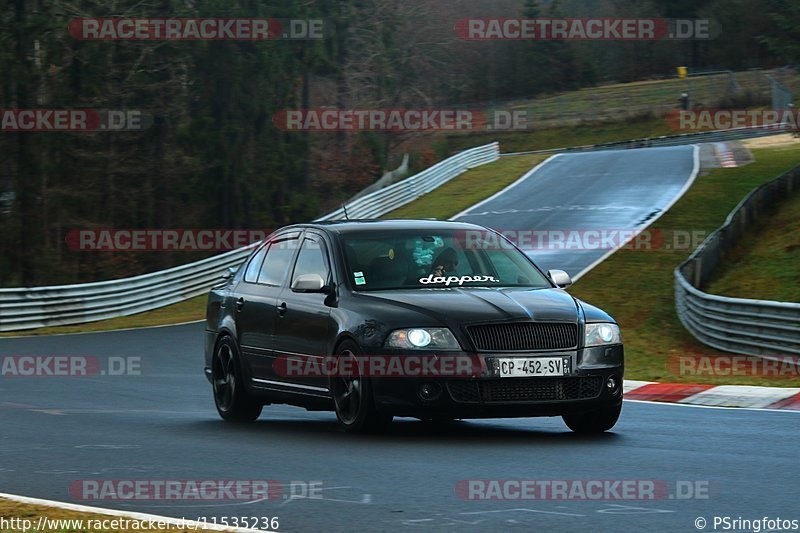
{"x":402,"y":259}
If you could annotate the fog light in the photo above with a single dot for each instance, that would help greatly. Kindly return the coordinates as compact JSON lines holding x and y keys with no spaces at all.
{"x":430,"y":391}
{"x":611,"y":383}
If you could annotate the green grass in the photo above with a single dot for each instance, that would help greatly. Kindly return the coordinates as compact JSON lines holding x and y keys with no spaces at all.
{"x":479,"y":183}
{"x":705,"y":90}
{"x":192,"y":309}
{"x":468,"y":189}
{"x":765,"y":263}
{"x":543,"y":139}
{"x":636,"y":287}
{"x":32,"y":512}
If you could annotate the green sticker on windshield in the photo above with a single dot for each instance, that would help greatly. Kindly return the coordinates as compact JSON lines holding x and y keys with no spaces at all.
{"x":361,"y":281}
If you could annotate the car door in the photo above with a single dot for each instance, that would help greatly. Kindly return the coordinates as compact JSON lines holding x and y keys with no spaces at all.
{"x":304,"y":325}
{"x":256,"y":303}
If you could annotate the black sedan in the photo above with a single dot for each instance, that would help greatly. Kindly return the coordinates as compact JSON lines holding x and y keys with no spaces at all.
{"x":433,"y":320}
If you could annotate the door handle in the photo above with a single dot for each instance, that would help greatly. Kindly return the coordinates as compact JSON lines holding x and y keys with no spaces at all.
{"x":282,"y":309}
{"x":239,"y":304}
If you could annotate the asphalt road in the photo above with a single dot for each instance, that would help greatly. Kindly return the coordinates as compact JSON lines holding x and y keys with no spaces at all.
{"x":615,"y":190}
{"x":162,"y":425}
{"x":157,"y":421}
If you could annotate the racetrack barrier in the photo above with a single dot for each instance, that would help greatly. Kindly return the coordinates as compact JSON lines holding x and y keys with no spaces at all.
{"x":682,"y":139}
{"x":738,"y":325}
{"x":33,"y":307}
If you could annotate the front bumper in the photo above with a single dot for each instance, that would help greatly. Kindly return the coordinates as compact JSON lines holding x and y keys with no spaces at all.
{"x":585,"y":388}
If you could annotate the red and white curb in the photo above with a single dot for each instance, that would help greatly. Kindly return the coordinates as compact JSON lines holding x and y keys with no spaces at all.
{"x":714,"y":395}
{"x":725,"y":155}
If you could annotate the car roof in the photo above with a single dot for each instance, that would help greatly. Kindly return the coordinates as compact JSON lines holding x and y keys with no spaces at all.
{"x":348,"y":226}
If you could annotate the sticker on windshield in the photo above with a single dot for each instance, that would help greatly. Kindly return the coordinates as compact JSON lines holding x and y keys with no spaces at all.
{"x":359,"y":278}
{"x":460,"y":280}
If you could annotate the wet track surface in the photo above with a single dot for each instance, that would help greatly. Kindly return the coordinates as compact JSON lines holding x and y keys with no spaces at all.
{"x":610,"y":190}
{"x":161,"y":424}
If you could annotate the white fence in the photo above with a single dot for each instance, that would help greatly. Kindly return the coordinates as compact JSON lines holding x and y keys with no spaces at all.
{"x":33,"y":307}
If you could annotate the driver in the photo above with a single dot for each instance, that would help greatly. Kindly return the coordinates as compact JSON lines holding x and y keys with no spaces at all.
{"x":446,"y":263}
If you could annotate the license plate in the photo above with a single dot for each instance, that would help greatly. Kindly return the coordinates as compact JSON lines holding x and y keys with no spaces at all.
{"x":520,"y":367}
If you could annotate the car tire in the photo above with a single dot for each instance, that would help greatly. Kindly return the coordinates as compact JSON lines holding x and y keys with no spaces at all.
{"x":596,"y":421}
{"x":230,"y":397}
{"x":353,"y":400}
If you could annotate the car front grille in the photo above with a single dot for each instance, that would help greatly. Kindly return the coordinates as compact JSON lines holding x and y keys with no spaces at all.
{"x":519,"y":336}
{"x":525,"y":389}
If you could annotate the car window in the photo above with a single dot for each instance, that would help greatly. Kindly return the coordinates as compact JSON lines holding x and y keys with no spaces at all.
{"x":402,"y":259}
{"x":310,"y":260}
{"x":253,"y":267}
{"x":276,"y":264}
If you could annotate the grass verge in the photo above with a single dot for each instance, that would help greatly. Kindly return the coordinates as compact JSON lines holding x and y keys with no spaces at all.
{"x":468,"y":189}
{"x":545,"y":139}
{"x":636,"y":287}
{"x":24,"y":511}
{"x":192,"y":309}
{"x":765,"y":263}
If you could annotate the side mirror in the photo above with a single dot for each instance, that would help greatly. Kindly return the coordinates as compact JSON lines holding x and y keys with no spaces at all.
{"x":560,"y":278}
{"x":228,"y":274}
{"x":308,"y":283}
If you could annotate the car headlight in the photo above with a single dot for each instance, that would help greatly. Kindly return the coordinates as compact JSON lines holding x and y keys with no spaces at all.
{"x":423,"y":338}
{"x":603,"y":333}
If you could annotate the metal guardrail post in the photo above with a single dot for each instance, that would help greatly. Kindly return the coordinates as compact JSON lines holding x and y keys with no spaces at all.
{"x":738,"y":325}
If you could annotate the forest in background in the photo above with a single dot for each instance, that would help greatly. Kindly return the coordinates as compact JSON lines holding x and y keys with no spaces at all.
{"x":213,"y":158}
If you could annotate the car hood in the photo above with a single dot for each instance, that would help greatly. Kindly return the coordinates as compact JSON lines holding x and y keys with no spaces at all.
{"x":457,"y":305}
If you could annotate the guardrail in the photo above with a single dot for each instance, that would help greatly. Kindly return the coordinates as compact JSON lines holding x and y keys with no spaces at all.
{"x":33,"y":307}
{"x":738,"y":325}
{"x":670,"y":140}
{"x":399,"y":194}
